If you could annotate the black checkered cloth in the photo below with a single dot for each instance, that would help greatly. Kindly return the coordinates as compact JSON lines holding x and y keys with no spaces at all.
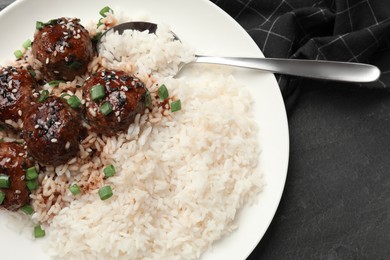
{"x":339,"y":30}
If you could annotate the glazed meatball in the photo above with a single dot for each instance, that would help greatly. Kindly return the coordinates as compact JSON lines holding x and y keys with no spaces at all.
{"x":16,"y":93}
{"x":64,"y":48}
{"x":51,"y":130}
{"x":121,"y":98}
{"x":14,"y":162}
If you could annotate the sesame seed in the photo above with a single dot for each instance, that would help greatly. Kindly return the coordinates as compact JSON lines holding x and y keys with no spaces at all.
{"x":47,"y":60}
{"x":67,"y":145}
{"x":20,"y":112}
{"x":119,"y":118}
{"x":21,"y":154}
{"x":17,"y":192}
{"x":92,"y":112}
{"x":54,"y":140}
{"x":36,"y":126}
{"x":14,"y":90}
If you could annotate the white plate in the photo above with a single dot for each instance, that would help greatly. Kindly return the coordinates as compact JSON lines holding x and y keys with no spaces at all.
{"x":209,"y":30}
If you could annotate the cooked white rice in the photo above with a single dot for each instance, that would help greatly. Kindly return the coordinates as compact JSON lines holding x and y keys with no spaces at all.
{"x":180,"y":177}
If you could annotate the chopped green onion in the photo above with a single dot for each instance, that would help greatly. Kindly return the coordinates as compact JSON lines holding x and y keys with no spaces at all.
{"x":2,"y":197}
{"x":109,"y":171}
{"x":55,"y":83}
{"x":31,"y":174}
{"x":75,"y":65}
{"x":32,"y":185}
{"x":176,"y":105}
{"x":106,"y":108}
{"x":32,"y":73}
{"x":27,"y":209}
{"x":65,"y":95}
{"x":100,"y":22}
{"x":163,"y":92}
{"x":74,"y":101}
{"x":4,"y":181}
{"x":39,"y":25}
{"x":97,"y":92}
{"x":148,"y":99}
{"x":105,"y":192}
{"x":74,"y":188}
{"x":27,"y":44}
{"x":18,"y":54}
{"x":44,"y":96}
{"x":1,"y":128}
{"x":39,"y":232}
{"x":105,"y":10}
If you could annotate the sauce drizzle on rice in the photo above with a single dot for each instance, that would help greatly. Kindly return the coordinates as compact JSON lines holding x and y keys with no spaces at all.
{"x":180,"y":177}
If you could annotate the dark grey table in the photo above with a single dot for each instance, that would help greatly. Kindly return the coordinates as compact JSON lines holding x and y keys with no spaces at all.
{"x":336,"y":203}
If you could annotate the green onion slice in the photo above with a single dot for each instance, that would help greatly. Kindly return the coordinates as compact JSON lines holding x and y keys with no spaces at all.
{"x":18,"y":54}
{"x":44,"y":95}
{"x":106,"y":108}
{"x":176,"y":105}
{"x":31,"y":173}
{"x":27,"y":44}
{"x":32,"y":185}
{"x":39,"y":232}
{"x":55,"y":83}
{"x":97,"y":92}
{"x":163,"y":92}
{"x":27,"y":209}
{"x":74,"y":189}
{"x":109,"y":171}
{"x":2,"y":197}
{"x":100,"y":22}
{"x":32,"y":73}
{"x":74,"y":101}
{"x":148,"y":99}
{"x":105,"y":10}
{"x":39,"y":25}
{"x":105,"y":192}
{"x":65,"y":95}
{"x":4,"y":181}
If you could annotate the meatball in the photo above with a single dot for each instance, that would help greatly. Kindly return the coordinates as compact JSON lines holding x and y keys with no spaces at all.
{"x":52,"y":130}
{"x":14,"y":162}
{"x":16,"y":93}
{"x":122,"y":98}
{"x":64,"y":48}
